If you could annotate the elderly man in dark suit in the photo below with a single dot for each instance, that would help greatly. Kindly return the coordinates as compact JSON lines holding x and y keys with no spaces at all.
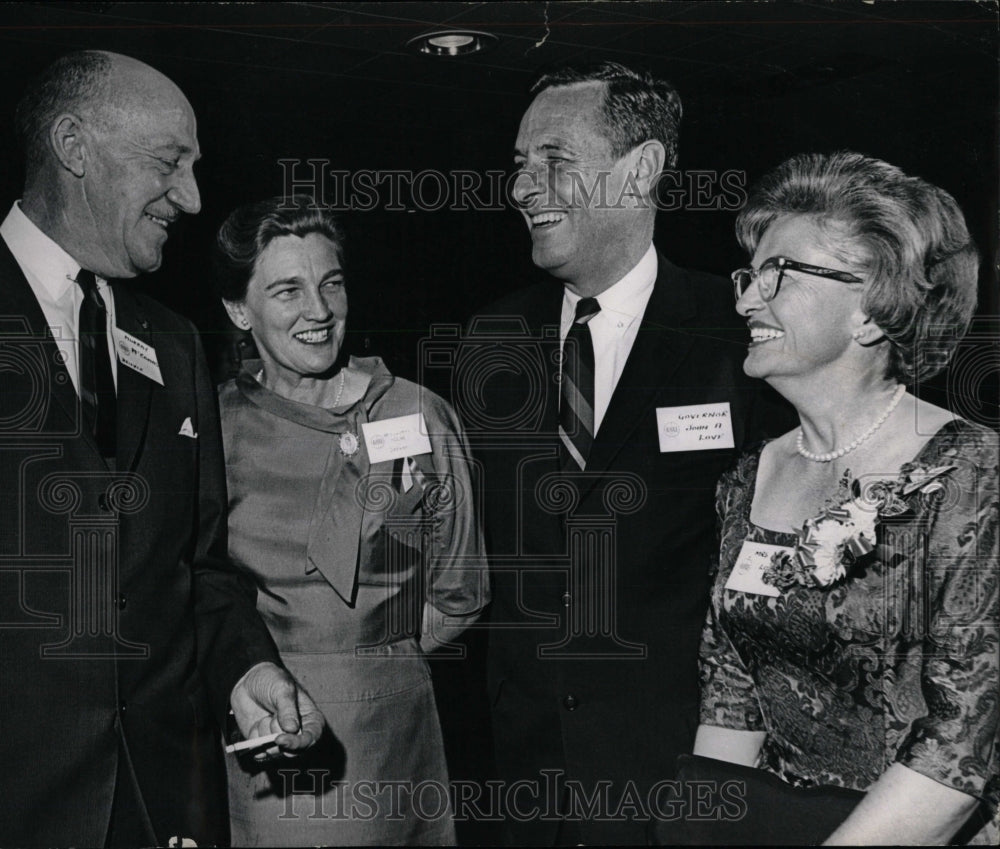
{"x":604,"y":411}
{"x":125,"y":629}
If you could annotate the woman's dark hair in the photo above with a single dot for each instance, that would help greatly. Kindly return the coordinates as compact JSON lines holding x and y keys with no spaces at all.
{"x":249,"y":229}
{"x":908,"y":237}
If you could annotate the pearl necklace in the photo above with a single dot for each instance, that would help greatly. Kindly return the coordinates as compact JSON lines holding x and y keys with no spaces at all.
{"x":847,"y":449}
{"x":340,"y":390}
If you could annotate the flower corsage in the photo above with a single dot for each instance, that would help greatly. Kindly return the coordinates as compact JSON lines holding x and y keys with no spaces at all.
{"x":830,"y":544}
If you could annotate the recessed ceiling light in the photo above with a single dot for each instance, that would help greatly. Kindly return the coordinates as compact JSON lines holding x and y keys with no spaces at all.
{"x":452,"y":42}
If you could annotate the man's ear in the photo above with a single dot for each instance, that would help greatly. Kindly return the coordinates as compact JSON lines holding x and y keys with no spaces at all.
{"x":650,"y":158}
{"x":237,"y":314}
{"x":66,"y":138}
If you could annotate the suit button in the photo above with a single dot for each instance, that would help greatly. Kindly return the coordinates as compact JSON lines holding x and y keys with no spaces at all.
{"x":566,"y":599}
{"x":122,"y":706}
{"x":570,"y":702}
{"x":120,"y":601}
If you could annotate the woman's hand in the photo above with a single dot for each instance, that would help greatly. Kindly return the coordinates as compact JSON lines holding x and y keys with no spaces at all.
{"x":905,"y":808}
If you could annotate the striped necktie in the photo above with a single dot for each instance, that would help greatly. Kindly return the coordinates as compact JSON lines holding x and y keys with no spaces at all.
{"x":576,"y":398}
{"x":97,"y":384}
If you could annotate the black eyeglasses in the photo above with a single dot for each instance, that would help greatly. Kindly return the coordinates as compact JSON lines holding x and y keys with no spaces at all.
{"x":772,"y":271}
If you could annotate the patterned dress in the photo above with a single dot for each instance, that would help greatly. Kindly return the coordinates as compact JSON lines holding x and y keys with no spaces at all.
{"x":896,"y":663}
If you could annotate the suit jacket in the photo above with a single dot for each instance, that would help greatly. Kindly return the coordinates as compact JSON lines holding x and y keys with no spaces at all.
{"x":600,"y":577}
{"x":121,"y":619}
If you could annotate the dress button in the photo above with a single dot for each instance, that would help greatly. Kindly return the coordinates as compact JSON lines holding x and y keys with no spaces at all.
{"x":570,"y":702}
{"x":566,"y":599}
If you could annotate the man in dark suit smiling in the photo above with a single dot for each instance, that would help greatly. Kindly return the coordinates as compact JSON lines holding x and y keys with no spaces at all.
{"x":124,"y":626}
{"x":601,"y":440}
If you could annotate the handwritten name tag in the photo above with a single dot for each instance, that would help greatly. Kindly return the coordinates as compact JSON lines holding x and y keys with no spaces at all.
{"x":403,"y":436}
{"x":697,"y":427}
{"x":137,"y":355}
{"x":754,"y":558}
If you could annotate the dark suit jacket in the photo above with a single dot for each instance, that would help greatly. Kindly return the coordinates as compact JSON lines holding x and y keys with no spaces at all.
{"x":120,"y":617}
{"x":593,"y":666}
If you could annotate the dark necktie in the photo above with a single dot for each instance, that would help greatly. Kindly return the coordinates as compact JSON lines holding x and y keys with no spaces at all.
{"x":576,"y":401}
{"x":97,"y":385}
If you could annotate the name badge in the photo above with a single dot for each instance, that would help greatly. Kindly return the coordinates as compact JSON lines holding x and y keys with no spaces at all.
{"x":137,"y":355}
{"x":403,"y":436}
{"x":697,"y":427}
{"x":754,"y":558}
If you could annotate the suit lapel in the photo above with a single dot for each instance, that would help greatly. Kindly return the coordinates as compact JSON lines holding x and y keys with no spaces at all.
{"x":549,"y":315}
{"x":21,"y":315}
{"x":543,"y":318}
{"x":134,"y":390}
{"x":659,"y":348}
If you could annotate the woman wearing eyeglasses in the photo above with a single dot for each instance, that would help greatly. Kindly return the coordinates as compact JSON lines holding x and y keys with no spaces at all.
{"x":852,"y":639}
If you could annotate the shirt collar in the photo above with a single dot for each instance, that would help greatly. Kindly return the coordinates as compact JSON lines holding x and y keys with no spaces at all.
{"x":37,"y":254}
{"x":626,"y":300}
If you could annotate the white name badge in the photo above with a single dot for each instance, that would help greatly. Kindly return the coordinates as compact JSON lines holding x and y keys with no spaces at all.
{"x":754,"y":558}
{"x":698,"y":427}
{"x":137,"y":355}
{"x":390,"y":439}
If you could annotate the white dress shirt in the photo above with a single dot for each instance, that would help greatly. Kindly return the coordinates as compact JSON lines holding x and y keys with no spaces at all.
{"x":615,"y":327}
{"x":51,"y":273}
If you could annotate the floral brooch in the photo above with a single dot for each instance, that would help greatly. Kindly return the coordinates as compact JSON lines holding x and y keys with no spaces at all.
{"x":348,"y":444}
{"x":830,"y":544}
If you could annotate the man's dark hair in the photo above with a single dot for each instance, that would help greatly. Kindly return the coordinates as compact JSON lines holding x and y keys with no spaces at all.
{"x":637,"y":106}
{"x":68,"y":84}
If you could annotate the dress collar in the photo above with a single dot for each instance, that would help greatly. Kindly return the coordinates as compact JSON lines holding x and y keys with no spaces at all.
{"x":368,"y":374}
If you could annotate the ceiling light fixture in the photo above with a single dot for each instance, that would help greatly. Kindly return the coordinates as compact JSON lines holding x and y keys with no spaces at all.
{"x":452,"y":42}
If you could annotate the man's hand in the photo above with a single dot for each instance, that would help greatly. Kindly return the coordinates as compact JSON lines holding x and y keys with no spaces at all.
{"x":267,"y":700}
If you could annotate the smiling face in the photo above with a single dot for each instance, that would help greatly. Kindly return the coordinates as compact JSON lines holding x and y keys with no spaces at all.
{"x":141,"y":146}
{"x":296,"y":308}
{"x":569,"y":187}
{"x":807,"y":328}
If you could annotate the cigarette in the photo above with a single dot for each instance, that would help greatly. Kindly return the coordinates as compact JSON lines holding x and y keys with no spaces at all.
{"x":253,"y":742}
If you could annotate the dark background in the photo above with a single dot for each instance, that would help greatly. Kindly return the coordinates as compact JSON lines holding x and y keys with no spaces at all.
{"x":914,"y":83}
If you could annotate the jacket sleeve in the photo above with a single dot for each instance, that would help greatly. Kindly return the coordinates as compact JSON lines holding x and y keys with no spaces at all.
{"x":231,"y":635}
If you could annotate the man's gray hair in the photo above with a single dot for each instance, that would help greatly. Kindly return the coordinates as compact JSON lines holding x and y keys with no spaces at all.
{"x":69,"y":84}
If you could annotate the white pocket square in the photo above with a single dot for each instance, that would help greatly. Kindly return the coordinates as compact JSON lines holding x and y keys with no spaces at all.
{"x":187,"y":429}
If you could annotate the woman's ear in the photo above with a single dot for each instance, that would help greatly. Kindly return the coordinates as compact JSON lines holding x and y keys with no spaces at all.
{"x":237,"y":314}
{"x":867,"y":333}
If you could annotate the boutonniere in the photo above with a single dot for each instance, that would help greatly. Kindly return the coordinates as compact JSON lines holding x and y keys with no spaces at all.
{"x":830,"y":544}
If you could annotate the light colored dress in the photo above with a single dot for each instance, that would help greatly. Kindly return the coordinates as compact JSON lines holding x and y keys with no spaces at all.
{"x":897,"y":663}
{"x":345,"y":553}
